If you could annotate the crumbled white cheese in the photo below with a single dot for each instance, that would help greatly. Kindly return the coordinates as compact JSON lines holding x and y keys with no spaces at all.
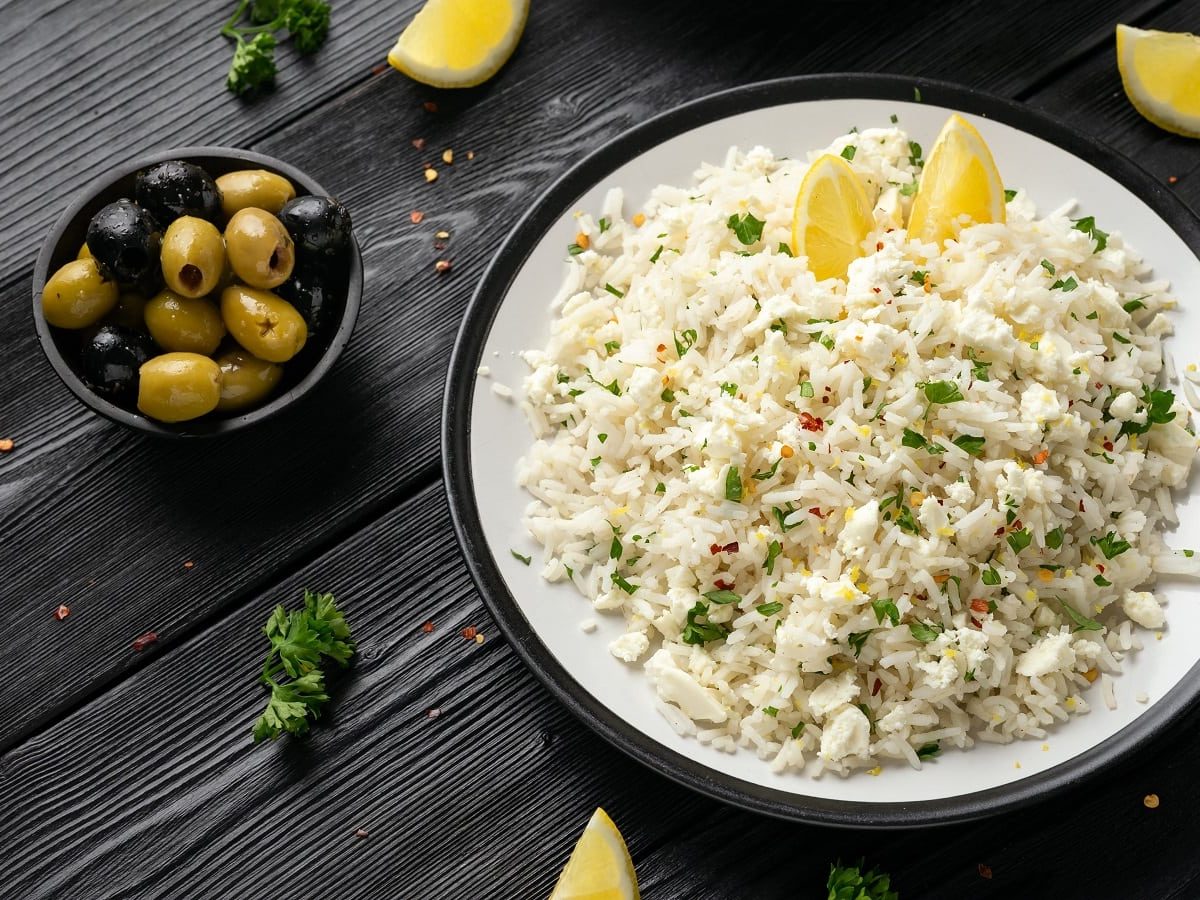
{"x":1040,"y":405}
{"x":858,"y":534}
{"x":1123,"y":406}
{"x":1050,"y":654}
{"x":1143,"y":609}
{"x":680,"y":688}
{"x":848,"y":733}
{"x":832,"y":693}
{"x":628,"y":647}
{"x":938,"y":674}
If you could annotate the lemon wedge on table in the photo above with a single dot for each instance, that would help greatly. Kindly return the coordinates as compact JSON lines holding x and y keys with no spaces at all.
{"x":1161,"y":74}
{"x":600,"y":867}
{"x":459,"y":43}
{"x":959,"y":185}
{"x":832,"y":217}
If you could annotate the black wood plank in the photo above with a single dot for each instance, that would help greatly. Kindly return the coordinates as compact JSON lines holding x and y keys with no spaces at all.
{"x":88,"y":85}
{"x":104,"y":521}
{"x":155,"y":789}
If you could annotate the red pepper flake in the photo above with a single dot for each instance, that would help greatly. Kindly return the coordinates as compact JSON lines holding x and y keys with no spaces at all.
{"x":985,"y":871}
{"x":427,"y":628}
{"x":816,"y":511}
{"x":361,"y":833}
{"x":430,"y":106}
{"x":875,"y":688}
{"x":1081,"y":506}
{"x":1172,"y":179}
{"x":379,"y":68}
{"x":1100,"y":568}
{"x":189,"y":565}
{"x":1099,"y":385}
{"x":442,"y":266}
{"x":1040,"y":457}
{"x":432,"y":713}
{"x":723,"y":584}
{"x":661,"y":348}
{"x":419,"y":143}
{"x":809,"y":422}
{"x":416,"y":216}
{"x":141,"y":642}
{"x":469,"y":633}
{"x":877,"y":290}
{"x":979,"y":606}
{"x":731,"y":547}
{"x":975,"y":623}
{"x":714,"y":549}
{"x":1108,"y":445}
{"x":6,"y":445}
{"x":1016,"y":525}
{"x":62,"y":612}
{"x":879,"y":245}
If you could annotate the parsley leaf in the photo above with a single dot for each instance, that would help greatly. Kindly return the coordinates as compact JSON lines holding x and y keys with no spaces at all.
{"x":1019,"y":540}
{"x":1069,"y":284}
{"x":781,"y":515}
{"x":252,"y":68}
{"x":701,"y":632}
{"x":785,"y":249}
{"x":624,"y":585}
{"x":657,"y":254}
{"x":1054,"y":539}
{"x":942,"y":392}
{"x":769,"y":609}
{"x":722,"y":597}
{"x":517,"y":556}
{"x":857,"y":639}
{"x":970,"y":443}
{"x":1158,"y":411}
{"x":1088,"y":226}
{"x":990,"y":577}
{"x":1082,"y":622}
{"x":928,"y":751}
{"x":806,"y":389}
{"x":924,"y":632}
{"x":848,"y":152}
{"x":770,"y":473}
{"x":747,"y":228}
{"x":886,"y":608}
{"x":1048,"y":266}
{"x":850,"y":882}
{"x":1111,"y":545}
{"x":733,"y":485}
{"x":683,"y":346}
{"x":614,"y":291}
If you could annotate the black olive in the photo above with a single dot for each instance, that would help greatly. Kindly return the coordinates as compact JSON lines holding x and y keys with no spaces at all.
{"x":320,"y":226}
{"x":125,"y":241}
{"x":176,"y":188}
{"x":313,"y":288}
{"x":112,"y":358}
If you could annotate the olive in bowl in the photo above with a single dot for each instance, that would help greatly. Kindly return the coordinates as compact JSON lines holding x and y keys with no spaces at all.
{"x":156,"y":359}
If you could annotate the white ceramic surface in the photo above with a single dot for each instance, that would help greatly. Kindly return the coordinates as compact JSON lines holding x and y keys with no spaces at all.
{"x":499,"y":436}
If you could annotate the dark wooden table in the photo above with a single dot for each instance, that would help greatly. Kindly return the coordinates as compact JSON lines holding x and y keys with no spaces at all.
{"x":132,"y":774}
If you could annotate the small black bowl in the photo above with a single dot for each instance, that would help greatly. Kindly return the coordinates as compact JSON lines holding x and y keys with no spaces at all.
{"x":67,"y":236}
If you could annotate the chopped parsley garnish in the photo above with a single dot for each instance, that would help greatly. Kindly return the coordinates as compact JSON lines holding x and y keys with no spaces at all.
{"x":1101,"y":581}
{"x":525,"y":559}
{"x":798,"y":729}
{"x":1120,"y":338}
{"x":928,"y":751}
{"x":1068,"y":284}
{"x":729,"y":388}
{"x":1054,"y":539}
{"x":701,"y":632}
{"x":970,"y":675}
{"x":657,"y":254}
{"x":1092,"y":316}
{"x":914,"y":154}
{"x":773,"y":550}
{"x":785,"y":249}
{"x":886,"y":608}
{"x":769,"y":609}
{"x":1048,"y":266}
{"x":614,"y":291}
{"x":733,"y":485}
{"x":1110,"y":545}
{"x":684,"y":341}
{"x":1158,"y":411}
{"x":856,"y":640}
{"x":893,"y":118}
{"x":722,"y":597}
{"x":770,"y":711}
{"x":907,"y":190}
{"x":918,"y":276}
{"x":924,"y":632}
{"x":1019,"y":540}
{"x":781,"y":515}
{"x":970,"y":443}
{"x":615,"y":549}
{"x":668,"y":395}
{"x":574,"y":249}
{"x":595,"y":460}
{"x":612,"y":346}
{"x":747,"y":228}
{"x":850,"y":882}
{"x":990,"y":576}
{"x":942,"y":392}
{"x":623,"y":584}
{"x":660,"y":488}
{"x":1082,"y":622}
{"x":1009,"y":195}
{"x":780,"y":326}
{"x":604,"y":224}
{"x":1088,"y":226}
{"x":614,"y":388}
{"x":770,"y":473}
{"x":917,"y":441}
{"x":1132,"y":306}
{"x":806,"y":389}
{"x":848,"y":152}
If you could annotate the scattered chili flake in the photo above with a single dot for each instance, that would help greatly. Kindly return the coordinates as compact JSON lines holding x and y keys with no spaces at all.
{"x":879,"y":245}
{"x":189,"y":565}
{"x":1040,"y":457}
{"x":419,"y":143}
{"x":1016,"y":525}
{"x":1092,"y":674}
{"x":442,"y":265}
{"x":432,"y":713}
{"x":786,"y":452}
{"x":639,"y":219}
{"x":978,"y":605}
{"x":816,"y":511}
{"x":1150,"y":801}
{"x":999,"y":531}
{"x":1108,"y":445}
{"x":6,"y":445}
{"x":416,"y":216}
{"x":985,"y":871}
{"x":141,"y":642}
{"x":875,"y":687}
{"x":722,"y":584}
{"x":714,"y":549}
{"x":442,"y":235}
{"x":431,"y":175}
{"x":62,"y":612}
{"x":1100,"y":568}
{"x":1081,"y":506}
{"x":809,"y":422}
{"x":427,"y":628}
{"x":877,"y":290}
{"x":731,"y":547}
{"x":360,"y":833}
{"x":430,"y":106}
{"x":448,"y":156}
{"x":379,"y":68}
{"x":661,"y":348}
{"x":470,"y":154}
{"x":1172,"y":179}
{"x":469,"y":632}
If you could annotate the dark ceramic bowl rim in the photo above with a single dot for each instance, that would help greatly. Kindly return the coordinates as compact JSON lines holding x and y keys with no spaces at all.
{"x":478,"y":553}
{"x":202,"y":427}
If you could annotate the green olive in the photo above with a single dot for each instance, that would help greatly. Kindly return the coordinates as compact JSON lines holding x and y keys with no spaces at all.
{"x":254,"y":188}
{"x":260,"y":249}
{"x":84,"y":252}
{"x":176,"y":387}
{"x":130,"y":311}
{"x":186,"y":324}
{"x":77,"y":295}
{"x":193,"y":256}
{"x":246,"y":380}
{"x":267,"y":326}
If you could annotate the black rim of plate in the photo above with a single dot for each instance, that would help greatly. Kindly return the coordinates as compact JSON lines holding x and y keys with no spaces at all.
{"x":456,"y":425}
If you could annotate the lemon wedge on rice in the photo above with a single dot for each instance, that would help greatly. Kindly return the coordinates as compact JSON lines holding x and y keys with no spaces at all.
{"x":1161,"y":74}
{"x":600,"y":867}
{"x":832,"y":217}
{"x":459,"y":43}
{"x":959,"y":185}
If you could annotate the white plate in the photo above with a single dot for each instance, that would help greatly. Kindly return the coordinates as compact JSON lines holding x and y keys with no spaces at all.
{"x":484,"y":435}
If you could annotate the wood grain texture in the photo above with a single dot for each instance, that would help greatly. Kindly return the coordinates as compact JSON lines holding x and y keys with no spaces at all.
{"x":109,"y":518}
{"x":156,"y":791}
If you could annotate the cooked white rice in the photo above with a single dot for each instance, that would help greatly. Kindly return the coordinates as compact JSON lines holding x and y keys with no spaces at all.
{"x":685,"y":366}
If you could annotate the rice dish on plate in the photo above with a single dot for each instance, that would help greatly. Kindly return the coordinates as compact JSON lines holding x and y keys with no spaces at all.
{"x":851,"y":521}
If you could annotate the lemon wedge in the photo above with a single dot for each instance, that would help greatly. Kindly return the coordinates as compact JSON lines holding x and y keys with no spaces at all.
{"x":1161,"y":74}
{"x":599,"y":867}
{"x":832,"y":217}
{"x":959,"y":185}
{"x":459,"y":43}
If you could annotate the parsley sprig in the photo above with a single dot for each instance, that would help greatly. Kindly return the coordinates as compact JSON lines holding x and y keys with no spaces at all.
{"x":299,"y":640}
{"x":252,"y":68}
{"x":851,"y":883}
